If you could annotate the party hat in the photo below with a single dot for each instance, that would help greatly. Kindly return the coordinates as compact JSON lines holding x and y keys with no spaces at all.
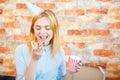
{"x":34,"y":10}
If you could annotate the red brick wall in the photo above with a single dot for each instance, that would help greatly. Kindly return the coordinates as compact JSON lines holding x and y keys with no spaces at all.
{"x":88,"y":28}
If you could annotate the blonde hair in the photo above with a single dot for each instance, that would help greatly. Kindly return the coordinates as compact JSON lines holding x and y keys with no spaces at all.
{"x":55,"y":44}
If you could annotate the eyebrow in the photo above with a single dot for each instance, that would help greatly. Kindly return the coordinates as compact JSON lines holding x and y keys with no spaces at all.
{"x":40,"y":26}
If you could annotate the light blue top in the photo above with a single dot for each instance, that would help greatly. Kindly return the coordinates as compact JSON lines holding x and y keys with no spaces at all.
{"x":48,"y":68}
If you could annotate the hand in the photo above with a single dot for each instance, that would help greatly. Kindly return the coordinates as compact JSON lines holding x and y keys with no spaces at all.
{"x":78,"y":66}
{"x":37,"y":52}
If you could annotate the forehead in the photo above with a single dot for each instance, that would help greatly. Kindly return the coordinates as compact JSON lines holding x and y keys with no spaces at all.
{"x":42,"y":21}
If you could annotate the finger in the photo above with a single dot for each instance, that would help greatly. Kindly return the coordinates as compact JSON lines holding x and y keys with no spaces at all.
{"x":77,"y":70}
{"x":79,"y":63}
{"x":35,"y":47}
{"x":39,"y":44}
{"x":77,"y":67}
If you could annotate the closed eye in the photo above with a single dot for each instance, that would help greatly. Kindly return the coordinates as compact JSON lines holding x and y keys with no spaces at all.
{"x":37,"y":27}
{"x":47,"y":27}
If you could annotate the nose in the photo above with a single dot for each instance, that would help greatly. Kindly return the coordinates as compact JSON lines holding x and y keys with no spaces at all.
{"x":43,"y":33}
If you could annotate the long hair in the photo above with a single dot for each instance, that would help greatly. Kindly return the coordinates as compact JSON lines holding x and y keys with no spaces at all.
{"x":54,"y":42}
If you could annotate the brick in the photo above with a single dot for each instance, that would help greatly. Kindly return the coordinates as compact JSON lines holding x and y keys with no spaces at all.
{"x":2,"y":55}
{"x":113,"y":66}
{"x":8,"y":12}
{"x":1,"y":61}
{"x":11,"y":24}
{"x":8,"y":62}
{"x":2,"y":31}
{"x":80,"y":45}
{"x":4,"y":37}
{"x":114,"y":74}
{"x":95,"y":11}
{"x":100,"y":32}
{"x":67,"y":51}
{"x":9,"y":70}
{"x":24,"y":19}
{"x":104,"y":53}
{"x":105,"y":0}
{"x":1,"y":11}
{"x":73,"y":32}
{"x":113,"y":78}
{"x":28,"y":18}
{"x":21,"y":37}
{"x":114,"y":11}
{"x":88,"y":18}
{"x":4,"y":50}
{"x":19,"y":12}
{"x":2,"y":1}
{"x":68,"y":44}
{"x":80,"y":12}
{"x":103,"y":65}
{"x":67,"y":39}
{"x":96,"y":46}
{"x":79,"y":39}
{"x":90,"y":64}
{"x":20,"y":6}
{"x":109,"y":19}
{"x":8,"y":18}
{"x":46,"y":6}
{"x":62,"y":0}
{"x":96,"y":64}
{"x":74,"y":12}
{"x":10,"y":73}
{"x":95,"y":32}
{"x":105,"y":60}
{"x":114,"y":25}
{"x":84,"y":32}
{"x":108,"y":39}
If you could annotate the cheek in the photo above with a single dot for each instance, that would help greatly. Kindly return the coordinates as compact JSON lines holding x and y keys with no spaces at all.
{"x":51,"y":34}
{"x":36,"y":32}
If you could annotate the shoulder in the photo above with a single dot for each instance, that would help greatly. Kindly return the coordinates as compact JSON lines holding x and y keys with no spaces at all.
{"x":22,"y":46}
{"x":61,"y":52}
{"x":20,"y":49}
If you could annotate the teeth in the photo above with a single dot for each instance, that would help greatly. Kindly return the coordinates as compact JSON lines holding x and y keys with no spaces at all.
{"x":43,"y":36}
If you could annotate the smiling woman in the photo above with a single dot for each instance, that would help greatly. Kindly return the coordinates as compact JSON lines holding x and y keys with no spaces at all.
{"x":32,"y":61}
{"x":45,"y":60}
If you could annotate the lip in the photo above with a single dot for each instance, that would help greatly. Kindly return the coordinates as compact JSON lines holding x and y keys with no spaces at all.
{"x":43,"y":38}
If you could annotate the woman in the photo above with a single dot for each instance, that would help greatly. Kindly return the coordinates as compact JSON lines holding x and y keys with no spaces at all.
{"x":45,"y":60}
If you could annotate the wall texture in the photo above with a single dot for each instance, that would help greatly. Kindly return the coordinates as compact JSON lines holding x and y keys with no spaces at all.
{"x":88,"y":28}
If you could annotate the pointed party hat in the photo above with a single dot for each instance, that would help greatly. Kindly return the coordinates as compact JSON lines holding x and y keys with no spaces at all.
{"x":34,"y":10}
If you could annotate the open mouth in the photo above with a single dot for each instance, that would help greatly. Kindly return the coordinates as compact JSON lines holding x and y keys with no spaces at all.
{"x":43,"y":37}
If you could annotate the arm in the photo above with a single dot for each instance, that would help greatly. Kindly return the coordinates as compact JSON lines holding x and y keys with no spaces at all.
{"x":68,"y":76}
{"x":30,"y":73}
{"x":20,"y":62}
{"x":23,"y":71}
{"x":36,"y":55}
